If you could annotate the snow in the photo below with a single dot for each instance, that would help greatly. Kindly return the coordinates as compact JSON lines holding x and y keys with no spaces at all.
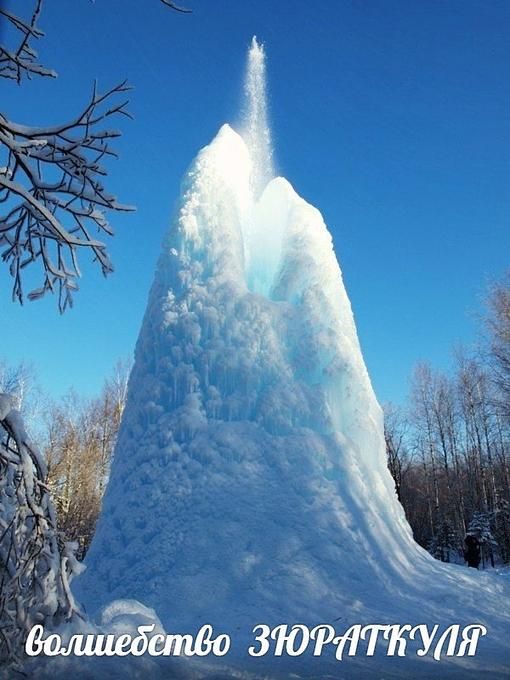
{"x":249,"y":483}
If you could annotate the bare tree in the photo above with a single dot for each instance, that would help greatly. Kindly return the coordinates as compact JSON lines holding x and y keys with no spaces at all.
{"x":422,"y":400}
{"x":107,"y":413}
{"x":81,"y":436}
{"x":51,"y":177}
{"x":20,"y":382}
{"x":498,"y":323}
{"x":395,"y":428}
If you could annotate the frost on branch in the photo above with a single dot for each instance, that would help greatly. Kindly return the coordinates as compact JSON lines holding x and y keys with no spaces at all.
{"x":22,"y":59}
{"x":51,"y":191}
{"x":35,"y":566}
{"x":53,"y":196}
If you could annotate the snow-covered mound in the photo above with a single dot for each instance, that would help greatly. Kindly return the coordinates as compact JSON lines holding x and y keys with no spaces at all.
{"x":249,"y":483}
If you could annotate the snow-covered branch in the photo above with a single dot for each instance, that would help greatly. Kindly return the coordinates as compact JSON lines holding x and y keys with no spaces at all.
{"x":22,"y":60}
{"x":51,"y":186}
{"x":36,"y":565}
{"x":51,"y":191}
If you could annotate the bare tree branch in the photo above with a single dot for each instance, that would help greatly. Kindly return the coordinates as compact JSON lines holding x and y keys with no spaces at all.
{"x":172,"y":5}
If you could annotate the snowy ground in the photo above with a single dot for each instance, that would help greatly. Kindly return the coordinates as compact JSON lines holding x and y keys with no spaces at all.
{"x":492,"y":659}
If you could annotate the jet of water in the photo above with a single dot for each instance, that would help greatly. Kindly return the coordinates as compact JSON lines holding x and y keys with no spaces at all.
{"x":256,"y":132}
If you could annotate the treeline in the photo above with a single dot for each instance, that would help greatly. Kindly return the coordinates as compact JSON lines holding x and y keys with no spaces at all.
{"x":77,"y":438}
{"x":449,"y":448}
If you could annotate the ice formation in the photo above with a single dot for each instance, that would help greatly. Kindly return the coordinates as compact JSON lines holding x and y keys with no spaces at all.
{"x":249,"y":482}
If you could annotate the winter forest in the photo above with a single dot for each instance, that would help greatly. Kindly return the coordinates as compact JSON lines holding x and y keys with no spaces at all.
{"x":236,"y":466}
{"x":448,"y":446}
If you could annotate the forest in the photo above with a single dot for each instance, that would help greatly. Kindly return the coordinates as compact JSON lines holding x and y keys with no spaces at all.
{"x":448,"y":447}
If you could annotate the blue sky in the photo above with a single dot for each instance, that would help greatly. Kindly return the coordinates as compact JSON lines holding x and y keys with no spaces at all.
{"x":392,"y":117}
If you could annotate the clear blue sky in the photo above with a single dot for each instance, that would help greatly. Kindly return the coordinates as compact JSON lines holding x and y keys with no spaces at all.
{"x":391,"y":116}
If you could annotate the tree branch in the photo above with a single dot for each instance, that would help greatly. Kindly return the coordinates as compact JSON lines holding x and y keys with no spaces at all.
{"x":53,"y":175}
{"x":175,"y":7}
{"x":23,"y":60}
